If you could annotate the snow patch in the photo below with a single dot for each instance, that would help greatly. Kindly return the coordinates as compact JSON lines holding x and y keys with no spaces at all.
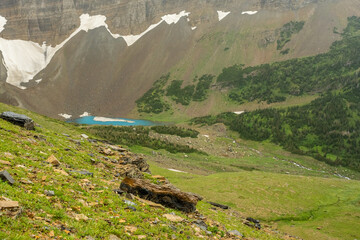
{"x":222,"y":15}
{"x":249,"y":12}
{"x":3,"y":22}
{"x":239,"y":112}
{"x":193,"y":28}
{"x":174,"y":170}
{"x":169,"y":19}
{"x":174,"y":18}
{"x":38,"y":81}
{"x":64,"y":115}
{"x":104,"y":119}
{"x":24,"y":59}
{"x":207,"y":136}
{"x":85,"y":114}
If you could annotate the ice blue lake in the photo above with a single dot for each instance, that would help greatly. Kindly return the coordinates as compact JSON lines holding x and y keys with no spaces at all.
{"x":91,"y":120}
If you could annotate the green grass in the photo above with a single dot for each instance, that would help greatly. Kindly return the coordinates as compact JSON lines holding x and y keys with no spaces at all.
{"x":296,"y":204}
{"x":74,"y":193}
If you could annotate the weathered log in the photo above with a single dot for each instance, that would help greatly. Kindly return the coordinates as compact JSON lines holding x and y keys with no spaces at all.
{"x":18,"y":119}
{"x":166,"y":195}
{"x":219,"y":205}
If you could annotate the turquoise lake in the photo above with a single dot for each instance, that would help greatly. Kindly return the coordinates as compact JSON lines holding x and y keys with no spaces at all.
{"x":90,"y":120}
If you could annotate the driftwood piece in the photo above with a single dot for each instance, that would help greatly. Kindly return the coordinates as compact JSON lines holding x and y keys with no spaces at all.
{"x":166,"y":195}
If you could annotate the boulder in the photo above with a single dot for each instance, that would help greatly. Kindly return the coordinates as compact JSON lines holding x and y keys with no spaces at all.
{"x":166,"y":195}
{"x":138,"y":161}
{"x":133,"y":167}
{"x":18,"y":119}
{"x":5,"y":176}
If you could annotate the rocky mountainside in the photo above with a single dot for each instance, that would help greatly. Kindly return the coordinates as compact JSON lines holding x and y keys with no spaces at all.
{"x":84,"y":56}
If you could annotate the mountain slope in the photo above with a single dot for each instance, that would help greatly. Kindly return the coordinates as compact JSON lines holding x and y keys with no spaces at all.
{"x":200,"y":43}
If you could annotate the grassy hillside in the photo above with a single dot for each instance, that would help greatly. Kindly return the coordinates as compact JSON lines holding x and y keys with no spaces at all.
{"x":82,"y":206}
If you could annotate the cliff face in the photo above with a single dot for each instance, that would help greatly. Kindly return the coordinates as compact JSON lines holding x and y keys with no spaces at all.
{"x":54,"y":20}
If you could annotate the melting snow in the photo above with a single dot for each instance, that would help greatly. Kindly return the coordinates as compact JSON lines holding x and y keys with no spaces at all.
{"x":239,"y":112}
{"x":249,"y":12}
{"x":169,"y":19}
{"x":222,"y":15}
{"x":104,"y":119}
{"x":174,"y":170}
{"x":24,"y":59}
{"x":64,"y":115}
{"x":2,"y":23}
{"x":85,"y":114}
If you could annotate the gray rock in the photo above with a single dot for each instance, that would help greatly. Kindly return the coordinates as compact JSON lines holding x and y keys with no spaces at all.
{"x":131,"y":208}
{"x":235,"y":233}
{"x":201,"y":224}
{"x":83,"y":172}
{"x":18,"y":119}
{"x":129,"y":203}
{"x":49,"y":193}
{"x":5,"y":176}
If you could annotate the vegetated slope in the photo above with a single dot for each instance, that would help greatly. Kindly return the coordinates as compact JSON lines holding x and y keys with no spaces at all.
{"x":57,"y":202}
{"x":270,"y":83}
{"x":328,"y":127}
{"x":274,"y":82}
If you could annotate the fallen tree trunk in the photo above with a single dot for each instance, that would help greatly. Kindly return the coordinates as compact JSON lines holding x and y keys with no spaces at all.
{"x":166,"y":195}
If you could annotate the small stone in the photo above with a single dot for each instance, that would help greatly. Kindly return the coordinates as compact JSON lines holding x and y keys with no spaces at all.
{"x":9,"y":204}
{"x":61,"y":172}
{"x":26,"y":181}
{"x":53,"y":160}
{"x":49,"y":193}
{"x":130,"y":229}
{"x":201,"y":224}
{"x":113,"y":237}
{"x":106,"y":151}
{"x":173,"y":218}
{"x":79,"y":217}
{"x":89,"y":238}
{"x":83,"y":172}
{"x":5,"y":162}
{"x":84,"y":136}
{"x":141,"y":236}
{"x":131,"y":208}
{"x":5,"y":176}
{"x":8,"y":155}
{"x":235,"y":233}
{"x":130,"y":203}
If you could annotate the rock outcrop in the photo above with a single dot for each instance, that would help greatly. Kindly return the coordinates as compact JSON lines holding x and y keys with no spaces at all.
{"x":18,"y":119}
{"x":166,"y":195}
